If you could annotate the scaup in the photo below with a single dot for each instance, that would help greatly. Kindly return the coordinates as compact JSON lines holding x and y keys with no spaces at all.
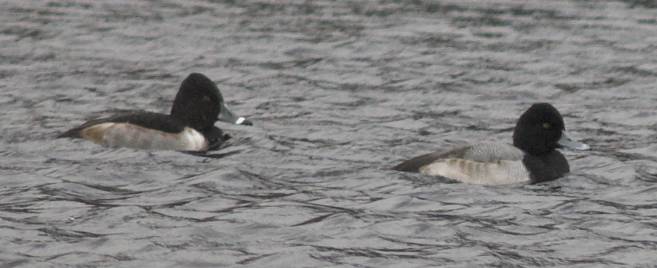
{"x":189,"y":126}
{"x":532,"y":157}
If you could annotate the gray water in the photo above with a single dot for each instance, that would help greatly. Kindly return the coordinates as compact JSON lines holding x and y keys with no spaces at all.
{"x":339,"y":92}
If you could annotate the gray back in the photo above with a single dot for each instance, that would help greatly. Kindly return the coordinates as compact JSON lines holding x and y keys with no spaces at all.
{"x":490,"y":152}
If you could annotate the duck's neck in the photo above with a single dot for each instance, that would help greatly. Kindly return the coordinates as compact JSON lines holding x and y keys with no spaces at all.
{"x":546,"y":167}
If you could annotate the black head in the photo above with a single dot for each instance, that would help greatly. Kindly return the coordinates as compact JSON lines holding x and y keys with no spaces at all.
{"x":198,"y":102}
{"x":539,"y":129}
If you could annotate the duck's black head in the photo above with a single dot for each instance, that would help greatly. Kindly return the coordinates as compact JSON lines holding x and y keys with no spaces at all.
{"x":539,"y":129}
{"x":198,"y":102}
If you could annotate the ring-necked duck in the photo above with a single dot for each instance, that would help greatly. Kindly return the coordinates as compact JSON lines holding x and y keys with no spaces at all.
{"x":532,"y":157}
{"x":189,"y":127}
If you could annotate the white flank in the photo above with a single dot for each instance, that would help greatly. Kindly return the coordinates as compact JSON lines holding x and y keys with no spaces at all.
{"x":133,"y":136}
{"x":475,"y":172}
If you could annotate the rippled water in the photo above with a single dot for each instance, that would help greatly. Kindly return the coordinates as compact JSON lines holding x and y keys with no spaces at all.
{"x":339,"y":92}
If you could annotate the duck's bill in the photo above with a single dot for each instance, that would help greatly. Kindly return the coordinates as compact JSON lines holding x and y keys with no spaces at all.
{"x":568,"y":143}
{"x":229,"y":117}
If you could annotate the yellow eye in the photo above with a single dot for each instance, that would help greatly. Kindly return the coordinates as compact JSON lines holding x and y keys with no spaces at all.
{"x":547,"y":125}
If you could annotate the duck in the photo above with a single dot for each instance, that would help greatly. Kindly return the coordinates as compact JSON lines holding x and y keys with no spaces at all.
{"x":188,"y":127}
{"x":532,"y":158}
